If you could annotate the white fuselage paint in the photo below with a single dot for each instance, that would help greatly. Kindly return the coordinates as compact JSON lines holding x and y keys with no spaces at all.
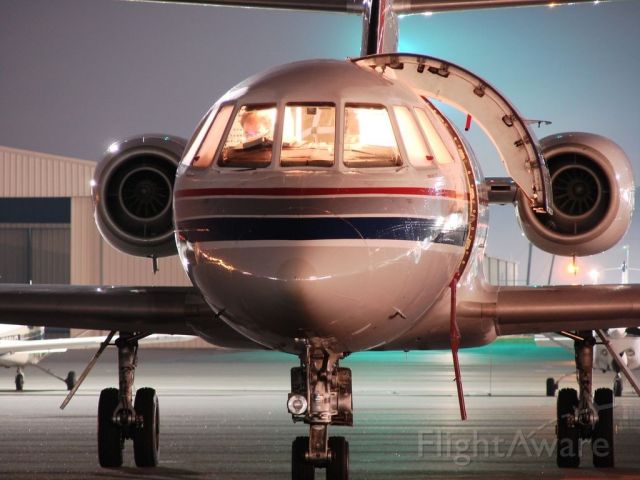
{"x":356,"y":257}
{"x":20,"y":332}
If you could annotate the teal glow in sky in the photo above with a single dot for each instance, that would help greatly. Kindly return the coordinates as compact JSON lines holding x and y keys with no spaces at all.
{"x":75,"y":75}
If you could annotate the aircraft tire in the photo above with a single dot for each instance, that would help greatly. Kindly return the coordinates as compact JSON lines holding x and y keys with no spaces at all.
{"x":19,"y":382}
{"x":300,"y":468}
{"x":568,"y":434}
{"x":110,"y":436}
{"x":146,"y":445}
{"x":602,"y":441}
{"x":338,"y":468}
{"x":617,"y":387}
{"x":70,"y":381}
{"x":551,"y":387}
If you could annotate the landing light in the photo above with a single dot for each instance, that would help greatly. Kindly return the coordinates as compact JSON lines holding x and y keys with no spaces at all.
{"x":297,"y":404}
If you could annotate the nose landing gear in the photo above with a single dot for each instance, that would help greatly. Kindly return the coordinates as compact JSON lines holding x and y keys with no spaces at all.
{"x":321,"y":396}
{"x":581,"y":416}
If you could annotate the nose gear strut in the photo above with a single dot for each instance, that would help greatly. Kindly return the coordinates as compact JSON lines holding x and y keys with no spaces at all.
{"x":321,"y":395}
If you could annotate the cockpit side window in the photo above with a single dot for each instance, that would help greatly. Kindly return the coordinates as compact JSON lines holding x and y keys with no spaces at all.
{"x":249,"y":143}
{"x":440,"y":151}
{"x":369,"y":140}
{"x":414,"y":143}
{"x":308,"y":135}
{"x":196,"y":138}
{"x":207,"y":150}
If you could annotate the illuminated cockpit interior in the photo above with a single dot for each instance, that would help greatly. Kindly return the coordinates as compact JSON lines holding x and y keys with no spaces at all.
{"x":328,"y":123}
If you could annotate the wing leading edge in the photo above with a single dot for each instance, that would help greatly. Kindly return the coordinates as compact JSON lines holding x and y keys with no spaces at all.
{"x":404,"y":7}
{"x":168,"y":310}
{"x":524,"y":310}
{"x":77,"y":343}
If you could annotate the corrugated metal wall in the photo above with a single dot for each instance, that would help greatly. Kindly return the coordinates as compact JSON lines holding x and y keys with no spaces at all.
{"x":85,"y":243}
{"x":32,"y":174}
{"x":101,"y":264}
{"x":34,"y":252}
{"x":500,"y":272}
{"x":13,"y":258}
{"x":50,"y":252}
{"x":93,"y":261}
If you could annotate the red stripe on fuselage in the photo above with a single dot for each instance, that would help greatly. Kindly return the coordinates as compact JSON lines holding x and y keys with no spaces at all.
{"x":310,"y":192}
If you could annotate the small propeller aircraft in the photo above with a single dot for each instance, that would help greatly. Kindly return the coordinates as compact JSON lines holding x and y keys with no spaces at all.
{"x":327,"y":207}
{"x":25,"y":346}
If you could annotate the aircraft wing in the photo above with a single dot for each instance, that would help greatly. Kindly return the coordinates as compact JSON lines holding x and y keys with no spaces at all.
{"x":526,"y":310}
{"x":167,"y":310}
{"x":403,"y":7}
{"x":77,"y":343}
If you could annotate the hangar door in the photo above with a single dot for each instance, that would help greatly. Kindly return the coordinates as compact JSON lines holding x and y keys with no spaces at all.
{"x":35,"y":240}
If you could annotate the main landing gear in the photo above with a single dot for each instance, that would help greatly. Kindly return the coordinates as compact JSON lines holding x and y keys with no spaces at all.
{"x":320,"y":396}
{"x":119,"y":418}
{"x":582,"y":417}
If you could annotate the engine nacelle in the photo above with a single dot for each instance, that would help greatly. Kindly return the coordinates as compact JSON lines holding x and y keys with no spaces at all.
{"x":593,"y":196}
{"x":132,"y":191}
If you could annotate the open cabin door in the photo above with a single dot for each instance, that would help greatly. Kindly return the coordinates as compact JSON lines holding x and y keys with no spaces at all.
{"x":516,"y":143}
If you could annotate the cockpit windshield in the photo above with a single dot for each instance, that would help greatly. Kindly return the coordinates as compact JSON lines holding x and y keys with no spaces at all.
{"x":308,"y":135}
{"x":249,"y":143}
{"x":369,"y":140}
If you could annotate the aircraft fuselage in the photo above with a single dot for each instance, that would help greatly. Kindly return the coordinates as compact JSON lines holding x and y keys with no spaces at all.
{"x":350,"y":254}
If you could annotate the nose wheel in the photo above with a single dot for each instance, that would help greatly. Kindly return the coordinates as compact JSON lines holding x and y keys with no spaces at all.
{"x":337,"y":466}
{"x":301,"y":469}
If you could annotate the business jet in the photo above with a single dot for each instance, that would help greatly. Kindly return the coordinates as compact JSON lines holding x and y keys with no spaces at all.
{"x":326,"y":207}
{"x":25,"y":346}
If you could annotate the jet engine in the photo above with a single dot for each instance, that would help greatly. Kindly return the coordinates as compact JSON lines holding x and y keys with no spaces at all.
{"x":132,"y":192}
{"x":593,"y":196}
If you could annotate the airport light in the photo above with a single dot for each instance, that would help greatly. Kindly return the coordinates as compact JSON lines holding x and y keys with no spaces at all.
{"x":573,"y":268}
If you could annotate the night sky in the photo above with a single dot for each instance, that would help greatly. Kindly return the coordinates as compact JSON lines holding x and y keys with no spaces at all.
{"x":75,"y":75}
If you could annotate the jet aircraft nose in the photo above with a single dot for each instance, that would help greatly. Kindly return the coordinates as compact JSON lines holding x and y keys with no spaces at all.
{"x":319,"y":200}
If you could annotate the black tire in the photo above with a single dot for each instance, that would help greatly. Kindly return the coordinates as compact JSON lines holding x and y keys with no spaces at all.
{"x":617,"y":387}
{"x":568,"y":434}
{"x":110,"y":437}
{"x":70,"y":380}
{"x":146,"y":439}
{"x":300,"y":468}
{"x":602,"y":441}
{"x":551,"y":387}
{"x":19,"y":382}
{"x":338,"y":467}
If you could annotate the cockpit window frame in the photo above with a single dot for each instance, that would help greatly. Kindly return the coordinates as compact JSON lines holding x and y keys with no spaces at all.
{"x":253,"y":106}
{"x":280,"y":135}
{"x":395,"y":131}
{"x":201,"y":124}
{"x":211,"y":120}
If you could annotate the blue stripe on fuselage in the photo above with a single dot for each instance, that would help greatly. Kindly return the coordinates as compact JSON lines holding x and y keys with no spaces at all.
{"x":219,"y":229}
